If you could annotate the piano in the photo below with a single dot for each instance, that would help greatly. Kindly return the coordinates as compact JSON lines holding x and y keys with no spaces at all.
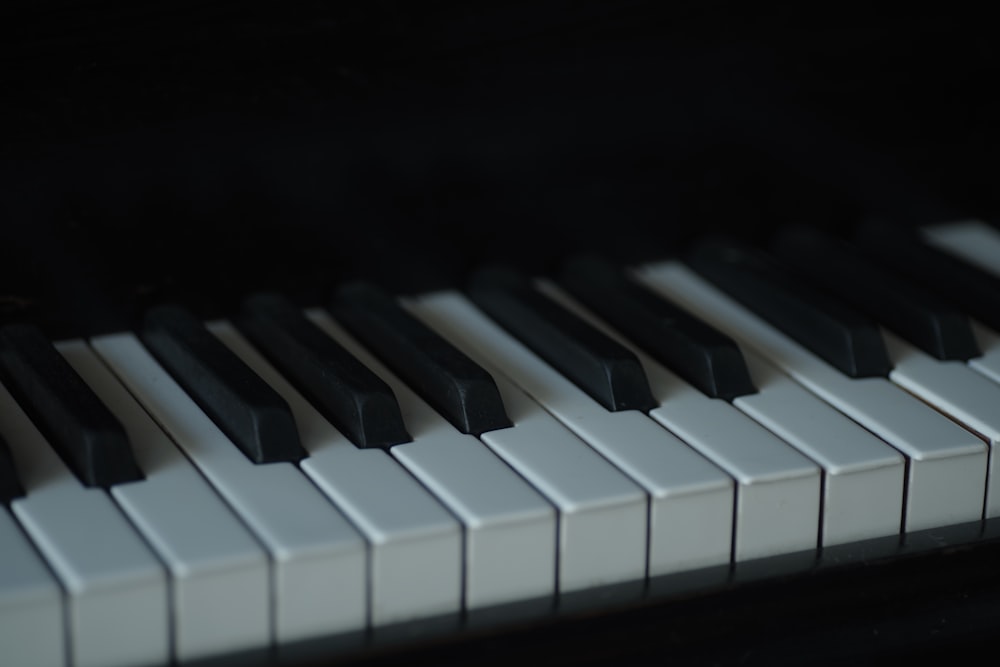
{"x":184,"y":183}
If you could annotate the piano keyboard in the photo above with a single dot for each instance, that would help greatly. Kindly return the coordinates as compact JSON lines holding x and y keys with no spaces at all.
{"x":418,"y":463}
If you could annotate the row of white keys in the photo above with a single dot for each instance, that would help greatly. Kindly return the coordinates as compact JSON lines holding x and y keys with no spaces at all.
{"x":115,"y":586}
{"x":510,"y":530}
{"x":415,"y":559}
{"x":952,"y":387}
{"x":978,"y":244}
{"x":947,"y":465}
{"x":318,"y":560}
{"x":31,"y":604}
{"x":691,"y":501}
{"x":777,"y":508}
{"x":602,"y":514}
{"x":863,"y":477}
{"x":220,"y":589}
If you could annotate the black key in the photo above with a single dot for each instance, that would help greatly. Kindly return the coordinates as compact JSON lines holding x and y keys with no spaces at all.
{"x":67,"y":412}
{"x":241,"y":404}
{"x":836,"y":333}
{"x":974,"y":290}
{"x":10,"y":485}
{"x":455,"y":385}
{"x":918,"y":316}
{"x":700,"y":354}
{"x":600,"y":366}
{"x":346,"y":392}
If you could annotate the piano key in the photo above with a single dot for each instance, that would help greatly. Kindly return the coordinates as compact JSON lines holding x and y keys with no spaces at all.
{"x":863,"y":477}
{"x":691,"y":501}
{"x":918,"y":316}
{"x":777,"y":500}
{"x":462,"y":391}
{"x":840,"y":336}
{"x":973,"y":241}
{"x":947,"y":465}
{"x":240,"y":403}
{"x":976,"y":291}
{"x":220,"y":589}
{"x":695,"y":351}
{"x":609,"y":373}
{"x":31,"y":609}
{"x":957,"y":391}
{"x":10,"y":485}
{"x":111,"y":578}
{"x":345,"y":392}
{"x":510,"y":530}
{"x":317,"y":558}
{"x":977,"y":244}
{"x":86,"y":435}
{"x":415,"y":545}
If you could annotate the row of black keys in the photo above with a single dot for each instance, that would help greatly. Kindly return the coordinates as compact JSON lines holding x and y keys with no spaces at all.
{"x":826,"y":294}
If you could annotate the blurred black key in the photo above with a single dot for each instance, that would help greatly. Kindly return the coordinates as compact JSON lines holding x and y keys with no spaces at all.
{"x":974,"y":290}
{"x":836,"y":333}
{"x":10,"y":485}
{"x":70,"y":415}
{"x":452,"y":383}
{"x":240,"y":403}
{"x":703,"y":356}
{"x":600,"y":366}
{"x":346,"y":392}
{"x":918,"y":316}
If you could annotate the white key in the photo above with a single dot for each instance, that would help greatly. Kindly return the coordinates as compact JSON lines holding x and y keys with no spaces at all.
{"x":691,"y":505}
{"x":989,"y":344}
{"x":959,"y":392}
{"x":976,"y":242}
{"x":318,"y":559}
{"x":220,"y":591}
{"x":31,"y":607}
{"x":112,"y":580}
{"x":603,"y":515}
{"x":777,"y":489}
{"x":510,"y":530}
{"x":863,"y":476}
{"x":415,"y":560}
{"x":946,"y":481}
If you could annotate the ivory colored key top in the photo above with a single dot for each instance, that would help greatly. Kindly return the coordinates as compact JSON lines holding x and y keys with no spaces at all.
{"x":510,"y":530}
{"x":111,"y":578}
{"x":683,"y":487}
{"x":318,"y":559}
{"x":220,"y":579}
{"x":862,"y":475}
{"x":31,"y":605}
{"x":415,"y":545}
{"x":947,"y":465}
{"x":777,"y":505}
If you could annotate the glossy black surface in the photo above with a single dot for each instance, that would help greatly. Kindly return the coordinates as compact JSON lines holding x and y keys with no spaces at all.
{"x":841,"y":336}
{"x":76,"y":423}
{"x":240,"y":403}
{"x":699,"y":353}
{"x":600,"y":366}
{"x":455,"y":385}
{"x":930,"y":323}
{"x":345,"y":391}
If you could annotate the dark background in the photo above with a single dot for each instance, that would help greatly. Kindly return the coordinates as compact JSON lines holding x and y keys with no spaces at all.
{"x":194,"y":151}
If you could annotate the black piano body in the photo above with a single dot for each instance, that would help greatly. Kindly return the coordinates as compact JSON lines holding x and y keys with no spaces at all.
{"x":195,"y":152}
